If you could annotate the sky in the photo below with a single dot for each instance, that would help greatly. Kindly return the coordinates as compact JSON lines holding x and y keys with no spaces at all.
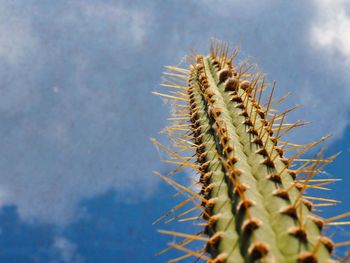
{"x":76,"y":111}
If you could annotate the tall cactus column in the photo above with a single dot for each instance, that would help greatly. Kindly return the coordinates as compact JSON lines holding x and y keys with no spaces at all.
{"x":254,"y":204}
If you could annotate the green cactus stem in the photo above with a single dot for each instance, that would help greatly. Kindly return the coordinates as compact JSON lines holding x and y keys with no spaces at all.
{"x":252,"y":197}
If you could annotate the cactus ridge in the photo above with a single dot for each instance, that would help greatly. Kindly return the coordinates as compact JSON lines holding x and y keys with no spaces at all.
{"x":252,"y":204}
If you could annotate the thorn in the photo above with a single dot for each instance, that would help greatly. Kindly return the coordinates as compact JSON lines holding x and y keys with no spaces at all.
{"x":184,"y":161}
{"x":173,"y":210}
{"x":169,"y":96}
{"x":270,"y":98}
{"x":176,"y":75}
{"x":281,"y":100}
{"x":191,"y":252}
{"x":182,"y":70}
{"x":177,"y":185}
{"x":178,"y":234}
{"x":338,"y":216}
{"x":341,"y":244}
{"x":183,"y":242}
{"x":321,"y":199}
{"x":174,"y":86}
{"x":183,"y":214}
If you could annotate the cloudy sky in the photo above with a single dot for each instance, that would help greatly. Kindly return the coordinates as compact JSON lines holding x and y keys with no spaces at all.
{"x":76,"y":110}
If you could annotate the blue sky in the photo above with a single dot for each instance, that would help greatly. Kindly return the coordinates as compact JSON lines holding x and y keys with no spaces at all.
{"x":77,"y":112}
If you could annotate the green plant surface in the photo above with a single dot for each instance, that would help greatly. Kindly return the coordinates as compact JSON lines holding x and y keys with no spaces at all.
{"x":252,"y":202}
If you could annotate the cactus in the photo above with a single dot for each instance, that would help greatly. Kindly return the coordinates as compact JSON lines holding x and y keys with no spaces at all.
{"x":253,"y":206}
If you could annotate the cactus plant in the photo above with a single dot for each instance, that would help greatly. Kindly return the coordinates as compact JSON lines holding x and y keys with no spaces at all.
{"x":253,"y":184}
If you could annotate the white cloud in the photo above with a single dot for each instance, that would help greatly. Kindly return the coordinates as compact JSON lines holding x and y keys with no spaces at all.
{"x":17,"y":45}
{"x":69,"y":127}
{"x":124,"y":24}
{"x":330,"y":31}
{"x":329,"y":36}
{"x":66,"y":251}
{"x":13,"y":47}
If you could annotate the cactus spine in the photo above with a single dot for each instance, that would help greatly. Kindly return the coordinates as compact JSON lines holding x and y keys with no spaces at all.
{"x":253,"y":203}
